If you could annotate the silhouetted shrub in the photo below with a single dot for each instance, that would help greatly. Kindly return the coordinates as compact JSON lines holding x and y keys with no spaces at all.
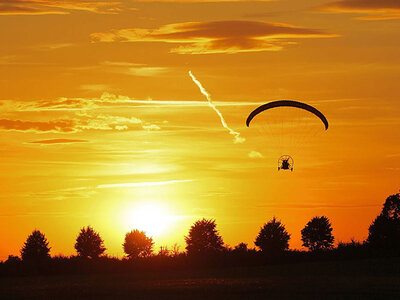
{"x":36,"y":247}
{"x":240,"y":248}
{"x":12,"y":259}
{"x":89,"y":243}
{"x":203,"y":238}
{"x":273,"y":239}
{"x":353,"y":244}
{"x":352,"y":250}
{"x":164,"y":251}
{"x":137,"y":244}
{"x":317,"y":234}
{"x":175,"y":251}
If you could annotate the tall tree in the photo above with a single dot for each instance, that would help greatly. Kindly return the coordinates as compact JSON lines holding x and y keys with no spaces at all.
{"x":89,"y":243}
{"x":273,"y":239}
{"x":317,"y":234}
{"x":384,"y":232}
{"x":36,"y":247}
{"x":203,"y":238}
{"x":137,"y":244}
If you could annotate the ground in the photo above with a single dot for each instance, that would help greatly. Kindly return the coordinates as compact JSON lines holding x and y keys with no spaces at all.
{"x":364,"y":279}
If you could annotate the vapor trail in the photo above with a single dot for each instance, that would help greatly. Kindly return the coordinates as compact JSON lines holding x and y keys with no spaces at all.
{"x":237,"y":138}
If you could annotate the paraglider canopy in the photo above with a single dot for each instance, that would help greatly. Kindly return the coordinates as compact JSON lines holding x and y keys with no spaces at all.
{"x":287,"y":103}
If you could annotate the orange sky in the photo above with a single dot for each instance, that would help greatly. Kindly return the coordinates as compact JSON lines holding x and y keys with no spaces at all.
{"x":101,"y":123}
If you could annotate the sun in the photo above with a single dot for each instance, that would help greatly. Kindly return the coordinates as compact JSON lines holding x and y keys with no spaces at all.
{"x":154,"y":219}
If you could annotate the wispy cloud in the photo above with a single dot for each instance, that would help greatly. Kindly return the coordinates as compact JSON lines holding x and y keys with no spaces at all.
{"x":141,"y":184}
{"x":107,"y":100}
{"x":45,"y":7}
{"x":95,"y":87}
{"x":319,"y":205}
{"x":134,"y":69}
{"x":255,"y":154}
{"x":372,"y":9}
{"x":203,"y":1}
{"x":64,"y":126}
{"x":48,"y":47}
{"x":79,"y":114}
{"x":58,"y":141}
{"x":126,"y":68}
{"x":216,"y":37}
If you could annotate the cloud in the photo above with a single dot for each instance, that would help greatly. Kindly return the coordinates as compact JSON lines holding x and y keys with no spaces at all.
{"x":75,"y":115}
{"x":79,"y":122}
{"x":67,"y":104}
{"x":141,"y":184}
{"x":7,"y":9}
{"x":45,"y":7}
{"x":49,"y":47}
{"x":216,"y":37}
{"x":58,"y":141}
{"x":318,"y":206}
{"x":107,"y":100}
{"x":374,"y":9}
{"x":203,"y":1}
{"x":66,"y":126}
{"x":95,"y":87}
{"x":151,"y":127}
{"x":255,"y":154}
{"x":134,"y":69}
{"x":109,"y":112}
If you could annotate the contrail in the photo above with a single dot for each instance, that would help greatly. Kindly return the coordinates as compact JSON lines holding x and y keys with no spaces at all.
{"x":237,"y":138}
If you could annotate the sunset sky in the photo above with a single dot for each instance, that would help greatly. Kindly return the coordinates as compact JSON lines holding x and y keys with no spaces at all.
{"x":102,"y":125}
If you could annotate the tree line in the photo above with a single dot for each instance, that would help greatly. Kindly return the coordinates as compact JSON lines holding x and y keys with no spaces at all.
{"x":204,"y":240}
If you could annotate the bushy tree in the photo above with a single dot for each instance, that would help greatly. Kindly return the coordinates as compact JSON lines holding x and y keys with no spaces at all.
{"x":36,"y":247}
{"x":384,"y":232}
{"x":89,"y":243}
{"x":137,"y":244}
{"x":391,"y":207}
{"x":317,"y":234}
{"x":273,"y":239}
{"x":203,"y":238}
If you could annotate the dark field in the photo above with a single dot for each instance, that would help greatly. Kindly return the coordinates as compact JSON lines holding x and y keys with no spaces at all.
{"x":364,"y":279}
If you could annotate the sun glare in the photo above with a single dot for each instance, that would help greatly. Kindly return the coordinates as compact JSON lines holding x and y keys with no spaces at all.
{"x":154,"y":219}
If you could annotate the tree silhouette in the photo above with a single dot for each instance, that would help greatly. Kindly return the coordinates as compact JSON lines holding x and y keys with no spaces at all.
{"x":164,"y":251}
{"x":36,"y":247}
{"x":175,"y":250}
{"x":137,"y":244}
{"x":203,"y":238}
{"x":89,"y":243}
{"x":273,"y":239}
{"x":384,"y":232}
{"x":317,"y":234}
{"x":241,"y":248}
{"x":391,"y":207}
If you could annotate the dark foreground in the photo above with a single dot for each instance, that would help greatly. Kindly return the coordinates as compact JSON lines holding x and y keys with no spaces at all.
{"x":363,"y":279}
